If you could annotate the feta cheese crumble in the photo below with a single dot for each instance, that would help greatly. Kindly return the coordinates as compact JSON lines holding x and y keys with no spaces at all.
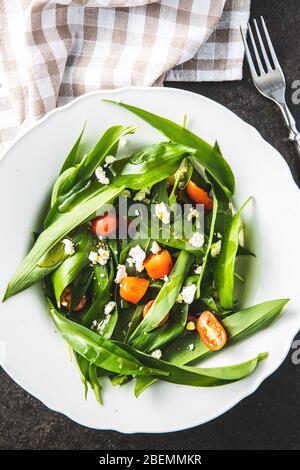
{"x":187,"y":294}
{"x":102,"y":324}
{"x":69,"y":247}
{"x":130,"y":262}
{"x":215,"y":248}
{"x":198,"y":269}
{"x":166,"y":278}
{"x":191,"y":347}
{"x":141,"y":194}
{"x":100,"y":257}
{"x":197,"y":240}
{"x":103,"y":256}
{"x":162,"y":212}
{"x":93,"y":257}
{"x":101,"y":175}
{"x":121,"y":273}
{"x":155,"y":248}
{"x":156,"y":354}
{"x":138,"y":255}
{"x":109,"y":307}
{"x":109,"y":160}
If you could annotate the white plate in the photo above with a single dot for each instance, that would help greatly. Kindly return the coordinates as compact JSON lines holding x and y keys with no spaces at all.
{"x":36,"y":357}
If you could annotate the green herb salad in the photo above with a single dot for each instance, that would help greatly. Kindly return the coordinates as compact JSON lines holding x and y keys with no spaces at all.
{"x":144,"y":293}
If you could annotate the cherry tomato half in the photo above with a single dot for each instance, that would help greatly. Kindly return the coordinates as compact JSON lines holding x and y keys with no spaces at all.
{"x":198,"y":195}
{"x":66,"y":300}
{"x":104,"y":225}
{"x":133,"y":289}
{"x":159,"y":265}
{"x":146,"y":310}
{"x":211,"y":331}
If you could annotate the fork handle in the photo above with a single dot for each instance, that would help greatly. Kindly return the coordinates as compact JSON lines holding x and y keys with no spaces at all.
{"x":291,"y":124}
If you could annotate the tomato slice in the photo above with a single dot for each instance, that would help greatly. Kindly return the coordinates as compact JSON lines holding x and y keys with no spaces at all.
{"x":211,"y":331}
{"x":104,"y":225}
{"x":133,"y":289}
{"x":66,"y":300}
{"x":198,"y":195}
{"x":159,"y":265}
{"x":146,"y":310}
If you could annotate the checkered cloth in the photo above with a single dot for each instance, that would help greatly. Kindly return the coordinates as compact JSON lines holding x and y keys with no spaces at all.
{"x":53,"y":51}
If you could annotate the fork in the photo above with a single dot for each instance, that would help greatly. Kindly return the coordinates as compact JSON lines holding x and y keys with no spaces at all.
{"x":268,"y":77}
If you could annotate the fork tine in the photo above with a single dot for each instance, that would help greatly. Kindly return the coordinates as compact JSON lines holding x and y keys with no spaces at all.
{"x":271,"y":48}
{"x":259,"y":64}
{"x":262,"y":46}
{"x":248,"y":54}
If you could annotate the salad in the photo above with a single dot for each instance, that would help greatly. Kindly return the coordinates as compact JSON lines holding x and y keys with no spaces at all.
{"x":138,"y":258}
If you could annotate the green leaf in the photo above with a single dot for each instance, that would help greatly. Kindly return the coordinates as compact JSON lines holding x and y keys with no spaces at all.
{"x":73,"y":265}
{"x":163,"y":335}
{"x":29,"y":272}
{"x":75,"y":181}
{"x":119,"y":357}
{"x":206,"y":155}
{"x":209,"y":243}
{"x":102,"y":149}
{"x":101,"y":352}
{"x":71,"y":158}
{"x":239,"y":325}
{"x":167,"y":296}
{"x":196,"y":376}
{"x":95,"y":382}
{"x":149,"y":165}
{"x":224,"y":273}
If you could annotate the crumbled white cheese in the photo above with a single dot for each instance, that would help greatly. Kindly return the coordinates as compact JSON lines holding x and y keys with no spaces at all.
{"x":162,"y":212}
{"x":197,"y":240}
{"x":109,"y":160}
{"x":191,"y":347}
{"x":215,"y":248}
{"x":192,"y":213}
{"x":219,"y":235}
{"x":155,"y":248}
{"x":94,"y":325}
{"x":130,"y":262}
{"x":103,"y":256}
{"x":102,"y":324}
{"x":157,"y":354}
{"x":121,"y":273}
{"x":137,"y":212}
{"x":166,"y":278}
{"x":101,"y":175}
{"x":198,"y":269}
{"x":100,"y":257}
{"x":109,"y":307}
{"x":93,"y":256}
{"x":141,"y":194}
{"x":187,"y":294}
{"x":69,"y":247}
{"x":138,"y":255}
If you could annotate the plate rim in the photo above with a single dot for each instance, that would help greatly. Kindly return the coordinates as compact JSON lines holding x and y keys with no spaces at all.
{"x":293,"y":187}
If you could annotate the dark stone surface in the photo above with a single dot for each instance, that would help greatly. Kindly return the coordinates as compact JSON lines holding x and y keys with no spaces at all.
{"x":270,"y":417}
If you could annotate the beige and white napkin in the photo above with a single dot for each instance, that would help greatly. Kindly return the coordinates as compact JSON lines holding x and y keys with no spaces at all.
{"x":53,"y":51}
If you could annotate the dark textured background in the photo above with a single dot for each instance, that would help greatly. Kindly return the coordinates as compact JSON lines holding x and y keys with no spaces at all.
{"x":270,"y":417}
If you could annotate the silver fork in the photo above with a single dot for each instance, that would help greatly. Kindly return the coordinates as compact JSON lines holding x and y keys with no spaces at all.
{"x":268,"y":78}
